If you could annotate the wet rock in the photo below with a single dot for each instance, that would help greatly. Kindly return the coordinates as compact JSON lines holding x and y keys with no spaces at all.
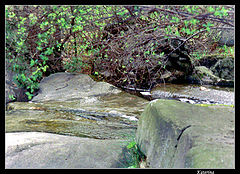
{"x":8,"y":86}
{"x":224,"y":68}
{"x":227,"y":37}
{"x":11,"y":89}
{"x":206,"y":76}
{"x":97,"y":129}
{"x":214,"y":70}
{"x":76,"y":105}
{"x":173,"y":134}
{"x":46,"y":150}
{"x":103,"y":117}
{"x":193,"y":94}
{"x":94,"y":115}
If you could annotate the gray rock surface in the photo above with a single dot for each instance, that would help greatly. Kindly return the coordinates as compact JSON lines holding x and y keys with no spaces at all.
{"x":100,"y":125}
{"x":173,"y":134}
{"x":96,"y":110}
{"x":65,"y":86}
{"x":101,"y":120}
{"x":95,"y":121}
{"x":214,"y":70}
{"x":8,"y":86}
{"x":112,"y":116}
{"x":46,"y":150}
{"x":227,"y":37}
{"x":207,"y":77}
{"x":11,"y":89}
{"x":198,"y":94}
{"x":224,"y":68}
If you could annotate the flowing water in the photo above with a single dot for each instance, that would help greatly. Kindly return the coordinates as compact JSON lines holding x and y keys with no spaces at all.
{"x":112,"y":116}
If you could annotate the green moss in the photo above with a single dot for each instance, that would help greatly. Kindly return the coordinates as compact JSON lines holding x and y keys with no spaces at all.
{"x":55,"y":117}
{"x":202,"y":70}
{"x":208,"y":143}
{"x":206,"y":105}
{"x":211,"y":156}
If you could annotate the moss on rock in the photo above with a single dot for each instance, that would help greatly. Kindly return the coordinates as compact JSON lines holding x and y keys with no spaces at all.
{"x":173,"y":134}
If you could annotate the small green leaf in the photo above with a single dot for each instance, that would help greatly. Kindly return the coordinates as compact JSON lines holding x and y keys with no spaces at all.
{"x":32,"y":62}
{"x":30,"y":80}
{"x":29,"y":95}
{"x":43,"y":57}
{"x":39,"y":48}
{"x":45,"y":68}
{"x":133,"y":166}
{"x":183,"y":29}
{"x":23,"y":77}
{"x":224,"y":11}
{"x":162,"y":54}
{"x":186,"y":23}
{"x":188,"y":31}
{"x":131,"y":144}
{"x":211,"y":9}
{"x":11,"y":97}
{"x":177,"y":33}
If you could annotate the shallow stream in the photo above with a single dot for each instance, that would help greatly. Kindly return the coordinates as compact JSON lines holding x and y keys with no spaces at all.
{"x":194,"y":94}
{"x":111,"y":116}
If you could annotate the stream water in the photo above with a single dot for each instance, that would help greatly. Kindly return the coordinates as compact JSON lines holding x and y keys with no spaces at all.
{"x":194,"y":94}
{"x":111,"y":116}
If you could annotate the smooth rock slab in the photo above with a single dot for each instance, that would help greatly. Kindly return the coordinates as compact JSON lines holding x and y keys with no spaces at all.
{"x":46,"y":150}
{"x":67,"y":86}
{"x":173,"y":134}
{"x":112,"y":116}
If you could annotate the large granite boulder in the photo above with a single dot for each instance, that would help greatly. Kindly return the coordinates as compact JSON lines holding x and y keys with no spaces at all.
{"x":173,"y":134}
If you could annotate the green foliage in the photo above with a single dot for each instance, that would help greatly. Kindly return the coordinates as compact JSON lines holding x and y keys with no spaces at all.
{"x":11,"y":97}
{"x":36,"y":36}
{"x":132,"y":144}
{"x":75,"y":64}
{"x":227,"y":51}
{"x":137,"y":155}
{"x":224,"y":51}
{"x":25,"y":82}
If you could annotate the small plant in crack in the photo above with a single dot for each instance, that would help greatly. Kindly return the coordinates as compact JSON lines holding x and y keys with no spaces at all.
{"x":137,"y":155}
